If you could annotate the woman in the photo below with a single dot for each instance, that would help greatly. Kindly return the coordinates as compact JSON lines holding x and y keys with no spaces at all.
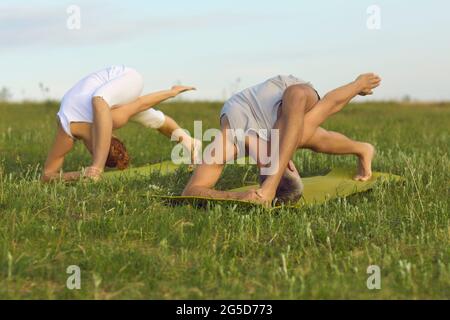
{"x":100,"y":103}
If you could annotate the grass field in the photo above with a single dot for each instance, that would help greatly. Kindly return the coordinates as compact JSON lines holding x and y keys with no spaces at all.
{"x":129,"y":246}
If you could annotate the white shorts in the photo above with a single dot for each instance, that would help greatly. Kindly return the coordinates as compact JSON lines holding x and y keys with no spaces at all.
{"x":116,"y":85}
{"x":126,"y":88}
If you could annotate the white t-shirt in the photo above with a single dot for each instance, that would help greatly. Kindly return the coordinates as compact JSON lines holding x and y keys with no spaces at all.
{"x":116,"y":85}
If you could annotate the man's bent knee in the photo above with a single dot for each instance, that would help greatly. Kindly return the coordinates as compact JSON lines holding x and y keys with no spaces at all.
{"x":296,"y":92}
{"x":295,"y":98}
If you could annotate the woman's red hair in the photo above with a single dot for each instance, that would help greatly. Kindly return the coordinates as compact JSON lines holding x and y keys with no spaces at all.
{"x":118,"y":156}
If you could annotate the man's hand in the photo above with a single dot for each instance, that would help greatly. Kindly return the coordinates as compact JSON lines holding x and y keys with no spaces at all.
{"x":180,"y":89}
{"x":255,"y":196}
{"x":251,"y":196}
{"x":367,"y":82}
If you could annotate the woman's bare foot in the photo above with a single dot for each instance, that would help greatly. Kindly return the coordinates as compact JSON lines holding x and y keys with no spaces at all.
{"x":365,"y":163}
{"x":195,"y":149}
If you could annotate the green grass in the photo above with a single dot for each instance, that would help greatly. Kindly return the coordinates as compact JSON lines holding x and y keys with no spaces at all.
{"x":129,"y":246}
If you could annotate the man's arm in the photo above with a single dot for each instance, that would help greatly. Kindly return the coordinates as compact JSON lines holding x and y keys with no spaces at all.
{"x":203,"y":181}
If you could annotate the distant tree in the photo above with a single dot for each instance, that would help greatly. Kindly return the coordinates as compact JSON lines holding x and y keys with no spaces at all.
{"x":406,"y":98}
{"x":235,"y":86}
{"x":44,"y":90}
{"x":5,"y":94}
{"x":224,"y":94}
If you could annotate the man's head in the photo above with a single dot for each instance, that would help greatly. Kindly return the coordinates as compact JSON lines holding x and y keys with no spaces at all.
{"x":291,"y":187}
{"x":118,"y":156}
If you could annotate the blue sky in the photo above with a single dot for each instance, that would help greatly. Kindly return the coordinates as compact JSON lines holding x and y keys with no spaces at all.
{"x":211,"y":44}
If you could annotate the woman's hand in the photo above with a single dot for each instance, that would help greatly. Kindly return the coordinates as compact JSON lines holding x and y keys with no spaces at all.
{"x":367,"y":82}
{"x":180,"y":89}
{"x":93,"y":173}
{"x":59,"y":176}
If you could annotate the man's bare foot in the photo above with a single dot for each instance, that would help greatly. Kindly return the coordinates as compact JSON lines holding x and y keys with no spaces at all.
{"x":291,"y":186}
{"x":365,"y":163}
{"x":367,"y":82}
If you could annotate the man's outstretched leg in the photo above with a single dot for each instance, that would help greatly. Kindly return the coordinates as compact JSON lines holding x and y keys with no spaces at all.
{"x":330,"y":142}
{"x":316,"y":138}
{"x":334,"y":101}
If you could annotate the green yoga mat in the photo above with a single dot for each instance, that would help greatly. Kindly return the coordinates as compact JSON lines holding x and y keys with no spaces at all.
{"x":338,"y":183}
{"x":165,"y":167}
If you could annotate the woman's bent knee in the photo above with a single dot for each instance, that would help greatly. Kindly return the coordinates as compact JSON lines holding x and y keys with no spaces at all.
{"x":98,"y":103}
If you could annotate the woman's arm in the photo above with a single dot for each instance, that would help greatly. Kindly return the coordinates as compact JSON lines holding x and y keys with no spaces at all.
{"x":101,"y":133}
{"x":55,"y":159}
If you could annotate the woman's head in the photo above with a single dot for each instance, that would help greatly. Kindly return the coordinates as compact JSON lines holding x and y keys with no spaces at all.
{"x":118,"y":156}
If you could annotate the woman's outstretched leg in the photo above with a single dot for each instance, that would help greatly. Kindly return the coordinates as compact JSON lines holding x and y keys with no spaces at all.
{"x":123,"y":113}
{"x":141,"y":111}
{"x":172,"y":130}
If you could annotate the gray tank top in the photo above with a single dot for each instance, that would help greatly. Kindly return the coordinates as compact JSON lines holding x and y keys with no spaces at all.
{"x":256,"y":108}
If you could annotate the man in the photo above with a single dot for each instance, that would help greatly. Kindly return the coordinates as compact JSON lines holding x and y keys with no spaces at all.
{"x":293,"y":109}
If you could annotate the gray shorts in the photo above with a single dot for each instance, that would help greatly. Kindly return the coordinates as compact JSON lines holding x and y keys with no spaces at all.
{"x":255,"y":109}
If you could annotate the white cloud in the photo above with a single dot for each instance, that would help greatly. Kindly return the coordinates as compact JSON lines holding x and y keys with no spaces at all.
{"x":46,"y":26}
